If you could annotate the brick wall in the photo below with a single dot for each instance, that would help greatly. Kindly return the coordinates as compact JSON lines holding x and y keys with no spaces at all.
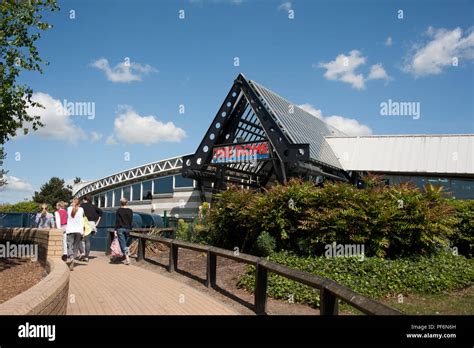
{"x":50,"y":295}
{"x":49,"y":241}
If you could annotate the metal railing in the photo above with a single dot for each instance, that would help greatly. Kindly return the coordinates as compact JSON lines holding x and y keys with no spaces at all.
{"x":330,"y":291}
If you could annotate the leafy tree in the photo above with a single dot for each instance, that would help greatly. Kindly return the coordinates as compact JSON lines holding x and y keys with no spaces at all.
{"x":20,"y":26}
{"x":3,"y":172}
{"x":53,"y":191}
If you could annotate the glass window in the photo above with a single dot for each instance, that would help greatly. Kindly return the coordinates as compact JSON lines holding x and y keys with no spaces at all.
{"x":146,"y":186}
{"x":95,"y":200}
{"x":462,"y":189}
{"x":136,"y":192}
{"x":179,"y":181}
{"x":109,"y":198}
{"x":457,"y":188}
{"x":126,"y":192}
{"x":118,"y":195}
{"x":164,"y":185}
{"x":102,"y":200}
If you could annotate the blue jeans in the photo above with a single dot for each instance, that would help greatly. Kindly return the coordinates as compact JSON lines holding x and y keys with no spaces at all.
{"x":123,"y":235}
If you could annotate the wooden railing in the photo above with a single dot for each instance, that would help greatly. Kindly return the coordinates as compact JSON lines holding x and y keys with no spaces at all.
{"x":330,"y":291}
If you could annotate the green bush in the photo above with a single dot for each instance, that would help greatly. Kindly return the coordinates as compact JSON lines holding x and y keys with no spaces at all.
{"x":21,"y":207}
{"x":265,"y":245}
{"x":183,"y":231}
{"x":463,"y":236}
{"x":373,"y":277}
{"x":232,"y":220}
{"x":390,"y":221}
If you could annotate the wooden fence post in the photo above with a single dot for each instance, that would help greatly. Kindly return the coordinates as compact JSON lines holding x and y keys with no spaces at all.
{"x":261,"y":278}
{"x":211,"y":269}
{"x":328,"y":303}
{"x":141,"y":249}
{"x":173,"y":265}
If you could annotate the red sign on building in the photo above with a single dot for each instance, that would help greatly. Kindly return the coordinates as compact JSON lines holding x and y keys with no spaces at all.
{"x":239,"y":153}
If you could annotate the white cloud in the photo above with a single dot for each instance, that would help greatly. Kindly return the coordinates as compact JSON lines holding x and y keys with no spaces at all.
{"x":348,"y":126}
{"x":377,"y":72}
{"x":431,"y":57}
{"x":132,"y":128}
{"x":56,"y":119}
{"x":124,"y":71}
{"x":16,"y":190}
{"x":286,"y":6}
{"x":16,"y":184}
{"x":343,"y":68}
{"x":96,"y":136}
{"x":389,"y":41}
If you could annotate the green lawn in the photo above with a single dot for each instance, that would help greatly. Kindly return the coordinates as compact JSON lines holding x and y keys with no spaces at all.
{"x":455,"y":302}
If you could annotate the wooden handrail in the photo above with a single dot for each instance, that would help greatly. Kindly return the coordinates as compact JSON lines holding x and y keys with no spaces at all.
{"x":330,"y":291}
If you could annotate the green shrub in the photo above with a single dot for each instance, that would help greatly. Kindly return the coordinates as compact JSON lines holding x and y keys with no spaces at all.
{"x":183,"y":231}
{"x":373,"y":277}
{"x":265,"y":245}
{"x":232,"y":220}
{"x":390,"y":221}
{"x":463,"y":236}
{"x":21,"y":207}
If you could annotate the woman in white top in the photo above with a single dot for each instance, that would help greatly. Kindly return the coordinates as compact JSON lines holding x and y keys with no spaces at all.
{"x":74,"y":230}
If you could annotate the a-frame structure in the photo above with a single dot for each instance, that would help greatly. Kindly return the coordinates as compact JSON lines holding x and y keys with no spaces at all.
{"x":258,"y":137}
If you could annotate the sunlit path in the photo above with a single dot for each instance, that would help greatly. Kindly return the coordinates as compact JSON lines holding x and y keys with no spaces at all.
{"x":103,"y":288}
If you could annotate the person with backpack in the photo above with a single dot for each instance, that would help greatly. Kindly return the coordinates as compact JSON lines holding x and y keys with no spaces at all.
{"x":74,"y":230}
{"x":93,"y":215}
{"x":60,"y":217}
{"x":123,"y":225}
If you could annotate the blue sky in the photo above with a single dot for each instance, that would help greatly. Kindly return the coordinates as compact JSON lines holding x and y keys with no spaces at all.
{"x":340,"y":59}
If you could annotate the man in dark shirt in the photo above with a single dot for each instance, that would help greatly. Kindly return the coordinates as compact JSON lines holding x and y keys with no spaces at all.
{"x":93,"y":214}
{"x":123,"y":225}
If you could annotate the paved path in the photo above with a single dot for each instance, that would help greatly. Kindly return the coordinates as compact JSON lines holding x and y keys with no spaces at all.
{"x":103,"y":288}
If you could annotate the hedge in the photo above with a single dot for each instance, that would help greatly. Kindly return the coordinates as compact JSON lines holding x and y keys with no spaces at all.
{"x":373,"y":277}
{"x":390,"y":221}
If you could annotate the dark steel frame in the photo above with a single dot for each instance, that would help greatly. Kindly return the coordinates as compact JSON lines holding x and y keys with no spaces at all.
{"x":287,"y":159}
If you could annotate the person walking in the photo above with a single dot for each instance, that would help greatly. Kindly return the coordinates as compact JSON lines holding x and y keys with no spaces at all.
{"x":93,"y":214}
{"x":123,"y":225}
{"x":74,"y":230}
{"x":60,"y":217}
{"x":44,"y":219}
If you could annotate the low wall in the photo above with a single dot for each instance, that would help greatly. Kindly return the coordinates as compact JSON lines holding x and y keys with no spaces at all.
{"x":50,"y":295}
{"x":49,"y":241}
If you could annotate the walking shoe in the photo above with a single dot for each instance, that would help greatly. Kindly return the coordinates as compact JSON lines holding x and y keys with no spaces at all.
{"x":85,"y":259}
{"x":70,"y":263}
{"x":127,"y":260}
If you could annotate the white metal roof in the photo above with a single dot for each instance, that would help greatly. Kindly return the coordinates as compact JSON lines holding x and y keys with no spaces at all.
{"x":442,"y":154}
{"x":300,"y":125}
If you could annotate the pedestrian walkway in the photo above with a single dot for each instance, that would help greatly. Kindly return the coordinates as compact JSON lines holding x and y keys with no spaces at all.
{"x":103,"y":288}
